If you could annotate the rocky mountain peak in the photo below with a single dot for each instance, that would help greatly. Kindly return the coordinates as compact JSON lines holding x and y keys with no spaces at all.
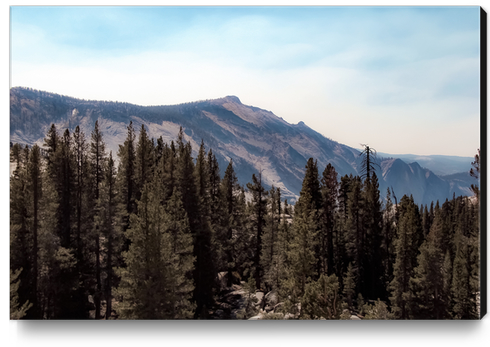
{"x":232,"y":98}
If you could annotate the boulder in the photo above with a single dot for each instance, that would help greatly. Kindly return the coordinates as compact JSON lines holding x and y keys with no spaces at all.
{"x":259,"y":295}
{"x":271,"y":298}
{"x":260,"y":316}
{"x":354,"y":317}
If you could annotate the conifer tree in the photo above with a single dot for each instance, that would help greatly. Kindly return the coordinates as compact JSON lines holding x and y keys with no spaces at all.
{"x":65,"y":189}
{"x":354,"y":231}
{"x":126,"y":180}
{"x":372,"y":258}
{"x":427,"y":285}
{"x":258,"y":213}
{"x":388,"y":244}
{"x":157,"y":282}
{"x":20,"y":238}
{"x":349,"y":290}
{"x":204,"y":273}
{"x":243,"y":236}
{"x":301,"y":255}
{"x":321,"y":299}
{"x":179,"y":257}
{"x":230,"y":222}
{"x":105,"y":220}
{"x":82,"y":222}
{"x":97,"y":159}
{"x":311,"y":187}
{"x":17,"y":311}
{"x":269,"y":257}
{"x":49,"y":247}
{"x":217,"y":219}
{"x":35,"y":189}
{"x":141,"y":291}
{"x":143,"y":161}
{"x":409,"y":230}
{"x":329,"y":190}
{"x":475,"y":172}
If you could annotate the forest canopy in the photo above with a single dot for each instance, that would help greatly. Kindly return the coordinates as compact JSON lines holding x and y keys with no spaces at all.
{"x":150,"y":232}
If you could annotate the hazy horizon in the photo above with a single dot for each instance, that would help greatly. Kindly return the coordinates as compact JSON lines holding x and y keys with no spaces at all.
{"x":404,"y":80}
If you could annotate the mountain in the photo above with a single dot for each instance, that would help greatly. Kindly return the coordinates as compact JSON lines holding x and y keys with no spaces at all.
{"x":441,"y":165}
{"x":256,"y":140}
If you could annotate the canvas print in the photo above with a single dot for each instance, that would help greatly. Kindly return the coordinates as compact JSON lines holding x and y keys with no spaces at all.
{"x":246,"y":163}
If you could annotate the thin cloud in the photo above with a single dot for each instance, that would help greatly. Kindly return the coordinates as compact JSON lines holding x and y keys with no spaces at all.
{"x":349,"y":73}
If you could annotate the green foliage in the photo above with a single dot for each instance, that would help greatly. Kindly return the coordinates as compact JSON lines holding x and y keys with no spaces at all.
{"x":349,"y":285}
{"x":378,"y":311}
{"x":475,"y":172}
{"x":161,"y":227}
{"x":321,"y":299}
{"x":17,"y":311}
{"x":249,"y":308}
{"x":271,"y":261}
{"x":258,"y":211}
{"x":406,"y":245}
{"x":157,"y":282}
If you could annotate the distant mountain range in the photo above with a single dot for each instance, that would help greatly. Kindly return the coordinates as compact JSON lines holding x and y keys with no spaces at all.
{"x":256,"y":140}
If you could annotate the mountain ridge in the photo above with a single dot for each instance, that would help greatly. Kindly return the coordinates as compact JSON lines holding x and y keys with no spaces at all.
{"x":257,"y":140}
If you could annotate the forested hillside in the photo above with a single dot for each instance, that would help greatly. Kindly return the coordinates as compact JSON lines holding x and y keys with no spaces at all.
{"x":256,"y":140}
{"x":163,"y":235}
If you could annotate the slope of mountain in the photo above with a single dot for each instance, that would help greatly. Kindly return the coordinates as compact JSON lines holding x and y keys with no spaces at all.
{"x":438,"y":164}
{"x":256,"y":140}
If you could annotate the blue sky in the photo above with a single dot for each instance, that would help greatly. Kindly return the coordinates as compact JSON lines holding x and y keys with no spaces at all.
{"x":401,"y":79}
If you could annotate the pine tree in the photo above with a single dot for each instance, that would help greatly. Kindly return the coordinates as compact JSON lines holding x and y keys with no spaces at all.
{"x":321,"y":299}
{"x":217,"y":218}
{"x":475,"y":172}
{"x":427,"y":285}
{"x":143,"y":161}
{"x":97,"y":159}
{"x":34,"y":187}
{"x":231,"y":221}
{"x":269,"y":257}
{"x":204,"y":272}
{"x":157,"y":282}
{"x":258,"y":211}
{"x":463,"y":287}
{"x":82,"y":222}
{"x":368,"y":163}
{"x":349,"y":290}
{"x":328,"y":234}
{"x":49,"y":245}
{"x":406,"y":245}
{"x":372,"y":258}
{"x":354,"y":230}
{"x":302,"y":249}
{"x":141,"y":291}
{"x":17,"y":311}
{"x":20,"y":238}
{"x":179,"y":257}
{"x":388,"y":244}
{"x":105,"y":220}
{"x":243,"y":236}
{"x":66,"y":190}
{"x":126,"y":181}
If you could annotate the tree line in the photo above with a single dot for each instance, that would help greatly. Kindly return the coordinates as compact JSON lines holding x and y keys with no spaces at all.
{"x":147,"y":238}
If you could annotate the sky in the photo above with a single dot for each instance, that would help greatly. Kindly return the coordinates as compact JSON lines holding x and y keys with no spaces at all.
{"x":405,"y":80}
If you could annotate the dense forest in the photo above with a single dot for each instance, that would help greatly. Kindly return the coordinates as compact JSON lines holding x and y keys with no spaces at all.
{"x":152,"y":233}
